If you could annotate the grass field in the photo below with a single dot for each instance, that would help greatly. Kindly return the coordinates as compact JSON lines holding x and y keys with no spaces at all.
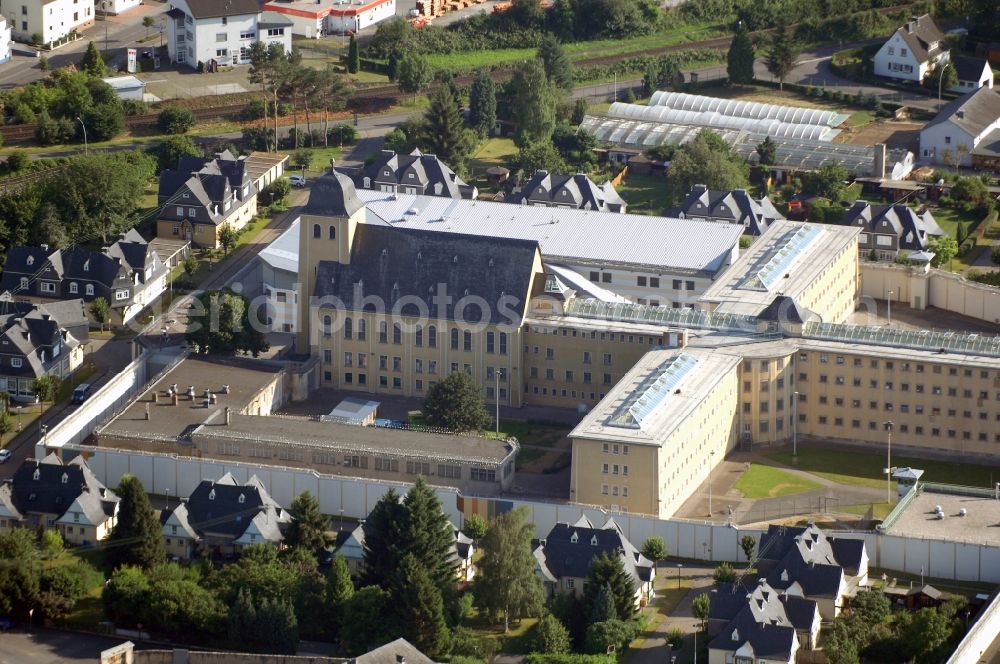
{"x":515,"y":642}
{"x":645,"y":194}
{"x":880,"y":511}
{"x":761,"y":481}
{"x":865,"y":468}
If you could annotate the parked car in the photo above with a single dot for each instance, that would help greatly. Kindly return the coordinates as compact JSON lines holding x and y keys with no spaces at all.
{"x":81,"y":393}
{"x":4,"y":455}
{"x":297,"y":180}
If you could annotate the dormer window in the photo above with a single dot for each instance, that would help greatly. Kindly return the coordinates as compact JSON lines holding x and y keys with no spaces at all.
{"x":593,"y":541}
{"x":736,"y":635}
{"x":73,"y":288}
{"x":574,"y":538}
{"x":86,"y":265}
{"x":65,"y":478}
{"x":31,"y":260}
{"x":242,"y":499}
{"x":211,"y":494}
{"x":36,"y":476}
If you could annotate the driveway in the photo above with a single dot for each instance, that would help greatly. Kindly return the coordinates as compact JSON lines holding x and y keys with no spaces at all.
{"x":653,"y":648}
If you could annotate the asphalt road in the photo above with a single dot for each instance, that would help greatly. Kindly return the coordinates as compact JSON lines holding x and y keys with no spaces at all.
{"x":52,"y":647}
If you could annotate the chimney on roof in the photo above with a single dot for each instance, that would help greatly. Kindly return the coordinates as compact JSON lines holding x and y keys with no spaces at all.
{"x":44,"y":247}
{"x":229,"y":416}
{"x":147,"y":412}
{"x":960,"y":113}
{"x":878,"y":166}
{"x":400,"y":659}
{"x":910,"y":25}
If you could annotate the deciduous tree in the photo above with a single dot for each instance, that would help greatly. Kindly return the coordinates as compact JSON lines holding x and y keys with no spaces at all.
{"x":302,"y":160}
{"x":655,"y":548}
{"x":475,"y":527}
{"x":225,"y":326}
{"x":507,"y":586}
{"x":532,"y":103}
{"x":228,"y":237}
{"x":456,"y":403}
{"x":175,"y":120}
{"x":706,"y":160}
{"x":171,"y":149}
{"x":413,"y":74}
{"x":550,"y":636}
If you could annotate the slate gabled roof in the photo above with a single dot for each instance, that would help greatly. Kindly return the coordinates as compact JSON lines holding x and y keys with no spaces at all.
{"x":569,"y":550}
{"x":333,"y":195}
{"x":914,"y":231}
{"x":736,"y":206}
{"x":968,"y":69}
{"x":577,"y":191}
{"x":51,"y":487}
{"x":767,"y":640}
{"x":765,"y":603}
{"x":392,"y":168}
{"x":924,"y":38}
{"x":215,"y":8}
{"x":784,"y":309}
{"x":392,"y":263}
{"x":226,"y":509}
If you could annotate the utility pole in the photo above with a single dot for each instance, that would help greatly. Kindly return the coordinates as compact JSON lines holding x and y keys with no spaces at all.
{"x":795,"y":426}
{"x":85,"y":146}
{"x":888,"y":463}
{"x":941,"y":78}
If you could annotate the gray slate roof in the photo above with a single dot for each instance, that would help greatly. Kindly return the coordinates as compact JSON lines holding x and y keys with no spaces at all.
{"x":576,"y":191}
{"x":968,"y":69}
{"x":972,"y":113}
{"x":30,"y":330}
{"x":50,"y":487}
{"x":914,"y":231}
{"x":431,"y":175}
{"x":207,"y":184}
{"x":333,"y":195}
{"x":735,"y":207}
{"x":808,"y":557}
{"x":399,"y":651}
{"x":392,"y":263}
{"x":765,"y":603}
{"x":767,"y":640}
{"x":225,"y":509}
{"x":569,"y":550}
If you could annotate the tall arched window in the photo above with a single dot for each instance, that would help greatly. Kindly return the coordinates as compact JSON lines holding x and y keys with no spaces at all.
{"x":362,"y":329}
{"x":348,"y":328}
{"x":432,"y":336}
{"x":454,"y":338}
{"x":418,"y":336}
{"x":383,"y":332}
{"x":397,"y":334}
{"x":467,"y":341}
{"x":333,"y":232}
{"x":327,"y":325}
{"x":317,"y":231}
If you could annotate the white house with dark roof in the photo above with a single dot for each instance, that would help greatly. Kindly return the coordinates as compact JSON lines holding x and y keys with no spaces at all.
{"x":767,"y":605}
{"x":202,"y":196}
{"x":221,"y":31}
{"x":890,"y":229}
{"x":115,"y":7}
{"x":972,"y":74}
{"x":415,"y":173}
{"x":351,"y":547}
{"x":563,"y":558}
{"x":729,"y":207}
{"x":912,"y":50}
{"x":128,"y":274}
{"x":66,"y":497}
{"x":960,"y":127}
{"x":51,"y":20}
{"x":568,"y":191}
{"x":222,"y":517}
{"x":39,"y":340}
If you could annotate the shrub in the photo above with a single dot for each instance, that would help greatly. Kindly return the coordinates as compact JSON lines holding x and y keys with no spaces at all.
{"x":175,"y":120}
{"x":135,"y":107}
{"x":254,"y":110}
{"x":724,"y":573}
{"x":344,"y":133}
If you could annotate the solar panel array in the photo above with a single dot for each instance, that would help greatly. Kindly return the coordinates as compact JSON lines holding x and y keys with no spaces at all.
{"x":715,"y":120}
{"x":645,"y":313}
{"x":940,"y":341}
{"x":744,"y":109}
{"x":661,"y":383}
{"x":782,"y":257}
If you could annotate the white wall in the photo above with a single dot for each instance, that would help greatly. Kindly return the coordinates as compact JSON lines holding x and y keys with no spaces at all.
{"x":364,"y":19}
{"x":979,"y":638}
{"x":202,"y":42}
{"x":5,"y":36}
{"x":894,"y":65}
{"x":117,"y":6}
{"x":52,"y":21}
{"x":933,"y":288}
{"x":934,"y":141}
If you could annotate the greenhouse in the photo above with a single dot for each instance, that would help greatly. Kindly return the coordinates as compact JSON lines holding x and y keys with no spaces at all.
{"x":715,"y":120}
{"x":955,"y":342}
{"x":746,"y":109}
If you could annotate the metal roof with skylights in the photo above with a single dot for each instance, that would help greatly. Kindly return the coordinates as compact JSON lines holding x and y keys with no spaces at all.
{"x":636,"y":410}
{"x":931,"y":340}
{"x":782,"y":257}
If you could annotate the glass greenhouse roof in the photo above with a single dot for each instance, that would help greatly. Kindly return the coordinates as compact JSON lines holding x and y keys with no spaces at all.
{"x":781,"y":258}
{"x":661,"y":383}
{"x":715,"y":120}
{"x":746,"y":109}
{"x":644,"y":313}
{"x":939,"y":341}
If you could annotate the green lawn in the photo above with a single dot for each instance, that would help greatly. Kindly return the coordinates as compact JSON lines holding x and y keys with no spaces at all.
{"x":645,"y":194}
{"x":761,"y":481}
{"x":865,"y":468}
{"x":881,"y":510}
{"x":515,"y":642}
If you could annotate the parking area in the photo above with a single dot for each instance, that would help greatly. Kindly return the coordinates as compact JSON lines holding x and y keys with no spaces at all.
{"x":51,"y":647}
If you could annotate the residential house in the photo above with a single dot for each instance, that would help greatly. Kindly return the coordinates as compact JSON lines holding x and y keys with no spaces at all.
{"x":767,"y":605}
{"x":564,"y":557}
{"x":5,"y":39}
{"x":202,"y":196}
{"x":805,"y":562}
{"x":953,"y":136}
{"x":115,"y":7}
{"x":213,"y":33}
{"x":748,"y":639}
{"x":127,"y":274}
{"x":415,"y":173}
{"x":223,"y":517}
{"x":66,"y":497}
{"x":729,"y":207}
{"x":399,"y":651}
{"x":568,"y":191}
{"x":39,"y":340}
{"x":47,"y":21}
{"x":351,"y":546}
{"x":889,"y":230}
{"x":912,"y":51}
{"x":972,"y":74}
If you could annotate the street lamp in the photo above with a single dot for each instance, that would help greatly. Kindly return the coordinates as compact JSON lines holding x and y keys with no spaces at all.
{"x":496,"y":395}
{"x":941,"y":78}
{"x":889,"y":302}
{"x":888,"y":462}
{"x":679,"y":566}
{"x":795,"y":425}
{"x":80,"y":120}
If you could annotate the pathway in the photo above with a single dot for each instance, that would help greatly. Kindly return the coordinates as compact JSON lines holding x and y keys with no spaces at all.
{"x":652,"y":647}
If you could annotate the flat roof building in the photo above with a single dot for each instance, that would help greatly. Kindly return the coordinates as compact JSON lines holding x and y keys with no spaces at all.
{"x":815,"y":265}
